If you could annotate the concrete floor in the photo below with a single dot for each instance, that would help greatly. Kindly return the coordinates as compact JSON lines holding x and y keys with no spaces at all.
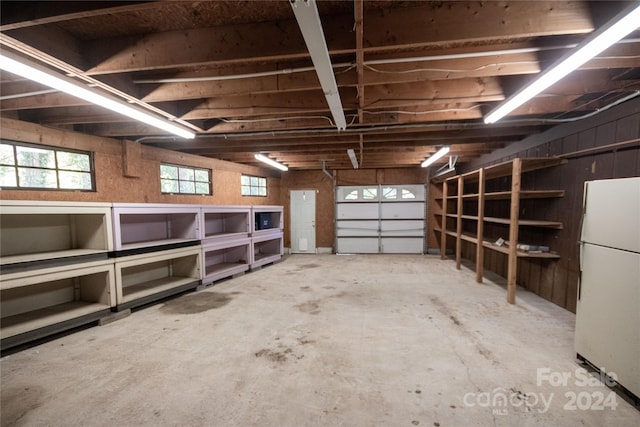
{"x":319,"y":340}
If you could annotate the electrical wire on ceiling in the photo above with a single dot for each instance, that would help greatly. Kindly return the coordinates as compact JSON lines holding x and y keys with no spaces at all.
{"x":448,"y":70}
{"x":444,"y":125}
{"x":271,"y":119}
{"x":415,"y":113}
{"x":482,"y":67}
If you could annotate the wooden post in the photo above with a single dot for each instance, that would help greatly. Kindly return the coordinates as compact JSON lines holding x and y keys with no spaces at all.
{"x":480,"y":229}
{"x":443,"y":228}
{"x":513,"y":231}
{"x":459,"y":224}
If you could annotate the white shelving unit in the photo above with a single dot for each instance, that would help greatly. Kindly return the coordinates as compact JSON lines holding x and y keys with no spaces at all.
{"x":34,"y":233}
{"x":40,"y":302}
{"x":150,"y":276}
{"x":141,"y":227}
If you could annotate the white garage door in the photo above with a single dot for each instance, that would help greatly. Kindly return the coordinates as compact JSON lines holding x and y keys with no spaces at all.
{"x":375,"y":219}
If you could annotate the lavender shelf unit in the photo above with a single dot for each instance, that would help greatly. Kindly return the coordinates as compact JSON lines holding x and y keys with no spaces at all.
{"x":225,"y":259}
{"x":221,"y":223}
{"x":266,"y":235}
{"x":139,"y":228}
{"x":266,"y":220}
{"x":267,"y":248}
{"x":226,"y":242}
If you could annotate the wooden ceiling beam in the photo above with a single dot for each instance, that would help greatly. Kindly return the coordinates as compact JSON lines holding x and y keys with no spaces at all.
{"x":422,"y":26}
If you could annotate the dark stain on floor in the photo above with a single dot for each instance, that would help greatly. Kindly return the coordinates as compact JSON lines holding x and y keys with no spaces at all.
{"x":305,"y":288}
{"x":197,"y":303}
{"x":310,"y":307}
{"x":18,"y":401}
{"x":305,"y":266}
{"x":273,"y":356}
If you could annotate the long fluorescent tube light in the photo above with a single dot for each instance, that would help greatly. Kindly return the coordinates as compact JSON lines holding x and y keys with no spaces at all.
{"x":271,"y":162}
{"x":617,"y":28}
{"x":353,"y":158}
{"x":435,"y":157}
{"x":306,"y":12}
{"x":67,"y":85}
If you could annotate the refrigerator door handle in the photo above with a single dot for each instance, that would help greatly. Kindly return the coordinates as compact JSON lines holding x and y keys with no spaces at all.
{"x":581,"y":249}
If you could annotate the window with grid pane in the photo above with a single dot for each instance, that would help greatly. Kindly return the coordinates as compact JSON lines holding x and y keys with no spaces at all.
{"x":253,"y":186}
{"x":175,"y":179}
{"x":31,"y":166}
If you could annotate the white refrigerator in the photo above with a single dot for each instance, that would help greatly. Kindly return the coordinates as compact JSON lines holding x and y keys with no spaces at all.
{"x":608,"y":310}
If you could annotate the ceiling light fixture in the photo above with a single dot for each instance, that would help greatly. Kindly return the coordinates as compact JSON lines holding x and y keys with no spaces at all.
{"x":306,"y":12}
{"x":44,"y":76}
{"x":431,"y":160}
{"x":271,"y":162}
{"x":353,"y":158}
{"x":617,"y":28}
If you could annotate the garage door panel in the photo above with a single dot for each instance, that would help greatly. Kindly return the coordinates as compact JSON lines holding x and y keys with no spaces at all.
{"x":402,"y":228}
{"x":399,"y":245}
{"x":357,"y":211}
{"x":358,"y":245}
{"x":357,"y":228}
{"x":402,"y":210}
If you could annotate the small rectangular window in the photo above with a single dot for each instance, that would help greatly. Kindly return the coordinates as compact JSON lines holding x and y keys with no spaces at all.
{"x":253,"y":186}
{"x":176,"y":179}
{"x":31,"y":166}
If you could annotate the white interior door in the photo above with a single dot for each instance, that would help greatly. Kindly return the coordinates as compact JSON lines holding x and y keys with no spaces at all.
{"x":303,"y":221}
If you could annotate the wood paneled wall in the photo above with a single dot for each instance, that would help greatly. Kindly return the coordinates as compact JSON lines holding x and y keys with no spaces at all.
{"x":128,"y":171}
{"x":604,"y":147}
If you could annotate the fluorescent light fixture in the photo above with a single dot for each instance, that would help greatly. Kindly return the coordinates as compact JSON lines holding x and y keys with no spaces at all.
{"x":617,"y":28}
{"x":67,"y":85}
{"x":306,"y":12}
{"x":271,"y":162}
{"x":435,"y":157}
{"x":352,"y":156}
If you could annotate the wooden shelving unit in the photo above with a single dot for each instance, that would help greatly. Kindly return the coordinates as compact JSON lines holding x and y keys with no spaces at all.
{"x":470,"y":188}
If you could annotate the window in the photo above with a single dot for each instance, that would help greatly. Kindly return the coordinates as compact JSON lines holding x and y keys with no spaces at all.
{"x":254,"y":186}
{"x":184,"y":180}
{"x":31,"y":166}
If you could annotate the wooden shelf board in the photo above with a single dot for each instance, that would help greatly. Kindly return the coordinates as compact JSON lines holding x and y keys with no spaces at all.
{"x":525,"y":222}
{"x":528,"y":164}
{"x":521,"y":254}
{"x":25,"y":322}
{"x":133,"y":292}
